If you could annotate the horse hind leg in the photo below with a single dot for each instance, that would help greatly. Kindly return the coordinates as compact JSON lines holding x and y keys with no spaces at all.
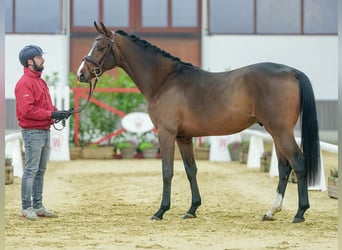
{"x":186,"y":150}
{"x":289,"y":156}
{"x":284,"y":169}
{"x":302,"y":185}
{"x":296,"y":159}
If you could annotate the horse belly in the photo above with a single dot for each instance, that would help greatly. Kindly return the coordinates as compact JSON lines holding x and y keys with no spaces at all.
{"x":212,"y":126}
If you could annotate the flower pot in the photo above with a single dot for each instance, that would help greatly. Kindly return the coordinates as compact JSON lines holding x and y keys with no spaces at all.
{"x":234,"y":154}
{"x":202,"y":153}
{"x":243,"y":157}
{"x":128,"y":153}
{"x":150,"y":153}
{"x":332,"y":187}
{"x":75,"y":153}
{"x":8,"y":175}
{"x":265,"y":163}
{"x":100,"y":152}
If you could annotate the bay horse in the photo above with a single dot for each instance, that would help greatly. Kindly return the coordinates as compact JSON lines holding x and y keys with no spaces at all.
{"x":185,"y":101}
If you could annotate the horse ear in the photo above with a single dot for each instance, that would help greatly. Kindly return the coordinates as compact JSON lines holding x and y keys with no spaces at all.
{"x":105,"y":30}
{"x":97,"y":28}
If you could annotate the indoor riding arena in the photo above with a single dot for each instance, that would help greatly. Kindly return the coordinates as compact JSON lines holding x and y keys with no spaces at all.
{"x":106,"y":204}
{"x":195,"y":69}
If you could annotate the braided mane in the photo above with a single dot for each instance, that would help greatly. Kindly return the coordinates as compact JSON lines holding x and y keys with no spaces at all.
{"x":155,"y":49}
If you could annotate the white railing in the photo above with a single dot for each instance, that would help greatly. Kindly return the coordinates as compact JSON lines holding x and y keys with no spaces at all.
{"x":60,"y":139}
{"x":13,"y":150}
{"x":256,"y":150}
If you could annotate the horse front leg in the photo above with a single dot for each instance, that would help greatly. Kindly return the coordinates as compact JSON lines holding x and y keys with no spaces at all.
{"x":167,"y":150}
{"x":186,"y":149}
{"x":284,"y":169}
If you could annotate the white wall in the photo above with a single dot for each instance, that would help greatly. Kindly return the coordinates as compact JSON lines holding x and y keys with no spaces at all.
{"x":56,"y":48}
{"x":317,"y":56}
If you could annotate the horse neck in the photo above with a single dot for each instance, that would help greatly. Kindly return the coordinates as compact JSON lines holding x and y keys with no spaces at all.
{"x":147,"y":69}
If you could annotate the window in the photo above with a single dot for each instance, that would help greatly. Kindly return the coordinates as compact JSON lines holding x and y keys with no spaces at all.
{"x":231,"y":16}
{"x":151,"y":17}
{"x":9,"y":16}
{"x":185,"y":13}
{"x":116,"y":13}
{"x":137,"y":15}
{"x":34,"y":16}
{"x":272,"y":16}
{"x":87,"y":12}
{"x":320,"y":16}
{"x":280,"y":16}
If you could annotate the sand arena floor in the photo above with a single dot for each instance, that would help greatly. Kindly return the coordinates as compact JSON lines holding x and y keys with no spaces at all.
{"x":107,"y":205}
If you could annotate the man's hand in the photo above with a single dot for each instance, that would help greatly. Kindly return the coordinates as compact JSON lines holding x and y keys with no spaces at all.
{"x":60,"y":114}
{"x":70,"y":112}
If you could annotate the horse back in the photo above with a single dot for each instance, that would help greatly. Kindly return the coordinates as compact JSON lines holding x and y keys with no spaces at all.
{"x":205,"y":103}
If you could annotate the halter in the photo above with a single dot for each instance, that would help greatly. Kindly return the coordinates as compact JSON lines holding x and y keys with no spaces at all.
{"x":95,"y":72}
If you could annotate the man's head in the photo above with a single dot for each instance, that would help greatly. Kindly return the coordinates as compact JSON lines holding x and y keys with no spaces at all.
{"x":31,"y":56}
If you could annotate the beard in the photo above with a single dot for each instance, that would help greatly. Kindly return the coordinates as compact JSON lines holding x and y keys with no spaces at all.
{"x":38,"y":68}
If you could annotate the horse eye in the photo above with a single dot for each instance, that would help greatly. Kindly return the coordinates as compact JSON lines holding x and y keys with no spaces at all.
{"x":101,"y":49}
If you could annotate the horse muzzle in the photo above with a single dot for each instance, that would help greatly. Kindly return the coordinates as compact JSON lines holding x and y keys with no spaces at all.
{"x":83,"y":75}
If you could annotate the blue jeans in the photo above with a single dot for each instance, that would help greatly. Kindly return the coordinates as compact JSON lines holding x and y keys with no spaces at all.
{"x":37,"y":152}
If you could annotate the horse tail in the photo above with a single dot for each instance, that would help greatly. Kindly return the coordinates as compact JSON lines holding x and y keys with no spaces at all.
{"x":310,"y":143}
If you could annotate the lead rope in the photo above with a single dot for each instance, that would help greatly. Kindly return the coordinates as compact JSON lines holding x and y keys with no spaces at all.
{"x":97,"y":71}
{"x":80,"y":109}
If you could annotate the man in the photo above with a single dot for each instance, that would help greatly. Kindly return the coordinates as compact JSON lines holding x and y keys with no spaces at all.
{"x":35,"y":113}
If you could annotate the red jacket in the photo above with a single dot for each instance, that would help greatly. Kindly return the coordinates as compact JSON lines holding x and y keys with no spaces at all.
{"x":33,"y":101}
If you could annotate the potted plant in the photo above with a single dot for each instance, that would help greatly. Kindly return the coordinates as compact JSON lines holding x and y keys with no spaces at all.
{"x":8,"y":171}
{"x":333,"y":183}
{"x":202,"y":150}
{"x":148,"y":145}
{"x":148,"y":149}
{"x":244,"y":151}
{"x":265,"y":161}
{"x":126,"y":144}
{"x":127,"y":149}
{"x":234,"y":150}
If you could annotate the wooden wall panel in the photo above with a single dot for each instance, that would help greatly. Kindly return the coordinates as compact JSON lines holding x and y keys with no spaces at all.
{"x":187,"y":49}
{"x":79,"y":48}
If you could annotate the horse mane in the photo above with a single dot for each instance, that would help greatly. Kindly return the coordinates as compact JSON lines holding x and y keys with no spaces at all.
{"x":155,"y":49}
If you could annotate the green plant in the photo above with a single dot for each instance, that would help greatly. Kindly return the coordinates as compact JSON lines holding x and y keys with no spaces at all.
{"x":204,"y":144}
{"x":201,"y":142}
{"x":8,"y":161}
{"x":125,"y":140}
{"x":334,"y":173}
{"x":244,"y":146}
{"x":52,"y":79}
{"x":234,"y":145}
{"x":125,"y":144}
{"x":266,"y":154}
{"x":145,"y":145}
{"x":147,"y":140}
{"x":96,"y":122}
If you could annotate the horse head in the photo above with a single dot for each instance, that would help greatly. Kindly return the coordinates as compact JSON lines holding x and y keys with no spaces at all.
{"x":100,"y":57}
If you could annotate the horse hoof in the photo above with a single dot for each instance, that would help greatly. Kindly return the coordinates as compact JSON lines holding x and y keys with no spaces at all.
{"x":189,"y":216}
{"x":298,"y":220}
{"x":267,"y":218}
{"x":155,"y":218}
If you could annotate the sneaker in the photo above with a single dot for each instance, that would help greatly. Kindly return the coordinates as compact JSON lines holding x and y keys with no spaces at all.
{"x":29,"y":214}
{"x":43,"y":212}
